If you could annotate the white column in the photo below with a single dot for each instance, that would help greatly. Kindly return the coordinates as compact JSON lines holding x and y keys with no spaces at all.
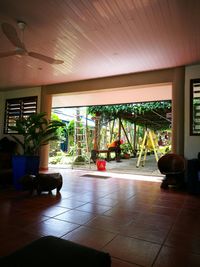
{"x":46,"y":105}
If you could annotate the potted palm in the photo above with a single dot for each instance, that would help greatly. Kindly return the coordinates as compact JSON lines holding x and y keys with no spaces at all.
{"x":35,"y":131}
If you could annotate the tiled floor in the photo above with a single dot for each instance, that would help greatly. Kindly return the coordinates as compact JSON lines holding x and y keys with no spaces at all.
{"x":134,"y":220}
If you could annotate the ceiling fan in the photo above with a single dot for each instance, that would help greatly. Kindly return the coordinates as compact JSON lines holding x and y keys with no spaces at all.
{"x":20,"y":49}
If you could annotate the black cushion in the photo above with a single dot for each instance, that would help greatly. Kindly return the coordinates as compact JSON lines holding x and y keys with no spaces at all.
{"x":54,"y":251}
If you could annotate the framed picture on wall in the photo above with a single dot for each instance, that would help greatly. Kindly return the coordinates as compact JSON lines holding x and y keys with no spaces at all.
{"x":195,"y":107}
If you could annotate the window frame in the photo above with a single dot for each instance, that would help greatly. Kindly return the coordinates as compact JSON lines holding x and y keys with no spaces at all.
{"x":194,"y":119}
{"x":16,"y":108}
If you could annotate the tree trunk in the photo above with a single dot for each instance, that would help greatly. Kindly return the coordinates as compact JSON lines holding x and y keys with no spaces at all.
{"x":96,"y":132}
{"x":78,"y":132}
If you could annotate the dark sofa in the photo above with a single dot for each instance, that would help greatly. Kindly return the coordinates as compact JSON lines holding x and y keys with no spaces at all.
{"x":53,"y":251}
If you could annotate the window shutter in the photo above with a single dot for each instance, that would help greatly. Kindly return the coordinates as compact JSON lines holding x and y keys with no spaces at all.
{"x":18,"y":108}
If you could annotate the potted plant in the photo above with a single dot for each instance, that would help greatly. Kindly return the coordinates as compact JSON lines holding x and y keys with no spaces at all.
{"x":35,"y":131}
{"x":126,"y":150}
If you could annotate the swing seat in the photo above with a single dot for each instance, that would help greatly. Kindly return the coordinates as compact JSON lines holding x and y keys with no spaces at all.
{"x":173,"y":167}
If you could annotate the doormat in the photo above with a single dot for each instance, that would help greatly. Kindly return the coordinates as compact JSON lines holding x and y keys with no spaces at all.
{"x":95,"y":176}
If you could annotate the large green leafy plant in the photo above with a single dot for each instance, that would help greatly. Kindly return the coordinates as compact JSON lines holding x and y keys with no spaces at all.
{"x":36,"y":131}
{"x":126,"y":148}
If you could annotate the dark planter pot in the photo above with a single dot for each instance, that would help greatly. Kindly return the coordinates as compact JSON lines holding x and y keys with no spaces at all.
{"x":126,"y":156}
{"x":23,"y":165}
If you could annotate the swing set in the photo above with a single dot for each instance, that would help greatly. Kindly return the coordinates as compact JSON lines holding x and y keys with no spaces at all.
{"x":152,"y":117}
{"x":148,"y":140}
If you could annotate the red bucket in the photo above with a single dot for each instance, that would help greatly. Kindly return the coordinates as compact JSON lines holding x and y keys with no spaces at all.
{"x":101,"y":165}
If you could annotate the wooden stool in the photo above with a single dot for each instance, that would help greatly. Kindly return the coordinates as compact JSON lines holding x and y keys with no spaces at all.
{"x":48,"y":182}
{"x":42,"y":182}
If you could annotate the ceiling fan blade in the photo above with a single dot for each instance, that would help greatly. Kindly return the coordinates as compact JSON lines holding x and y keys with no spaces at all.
{"x":45,"y":58}
{"x":8,"y":53}
{"x":12,"y":35}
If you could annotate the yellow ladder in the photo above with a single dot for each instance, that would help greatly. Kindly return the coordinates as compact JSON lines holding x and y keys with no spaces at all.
{"x":144,"y":148}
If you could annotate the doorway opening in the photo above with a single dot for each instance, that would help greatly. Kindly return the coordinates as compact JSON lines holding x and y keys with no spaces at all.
{"x":66,"y":107}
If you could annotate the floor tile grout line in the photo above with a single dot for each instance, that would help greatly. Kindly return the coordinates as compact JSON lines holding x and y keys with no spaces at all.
{"x":110,"y":241}
{"x":129,"y":262}
{"x":167,"y":236}
{"x":118,"y":234}
{"x":82,"y":224}
{"x":71,"y":231}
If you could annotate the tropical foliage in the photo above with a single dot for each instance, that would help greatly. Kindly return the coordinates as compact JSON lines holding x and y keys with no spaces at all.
{"x":151,"y":114}
{"x":55,"y":145}
{"x":126,"y":148}
{"x":137,"y":108}
{"x":36,"y":131}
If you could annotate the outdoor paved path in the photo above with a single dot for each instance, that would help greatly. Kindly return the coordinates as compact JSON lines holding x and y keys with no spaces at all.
{"x":125,"y":166}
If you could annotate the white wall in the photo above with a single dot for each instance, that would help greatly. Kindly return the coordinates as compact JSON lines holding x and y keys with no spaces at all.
{"x":35,"y":91}
{"x":132,"y":94}
{"x":192,"y":143}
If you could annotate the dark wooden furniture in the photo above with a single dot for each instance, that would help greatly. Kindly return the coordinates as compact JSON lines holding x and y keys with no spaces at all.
{"x":42,"y":182}
{"x":193,"y":175}
{"x":107,"y":152}
{"x":95,"y":153}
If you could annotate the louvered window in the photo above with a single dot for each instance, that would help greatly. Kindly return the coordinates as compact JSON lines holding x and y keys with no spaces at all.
{"x":18,"y":108}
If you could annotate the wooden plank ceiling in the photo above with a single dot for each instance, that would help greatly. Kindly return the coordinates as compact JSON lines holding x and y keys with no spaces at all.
{"x":98,"y":38}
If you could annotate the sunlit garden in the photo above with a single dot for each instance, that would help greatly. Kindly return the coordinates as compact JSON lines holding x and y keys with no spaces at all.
{"x":141,"y":129}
